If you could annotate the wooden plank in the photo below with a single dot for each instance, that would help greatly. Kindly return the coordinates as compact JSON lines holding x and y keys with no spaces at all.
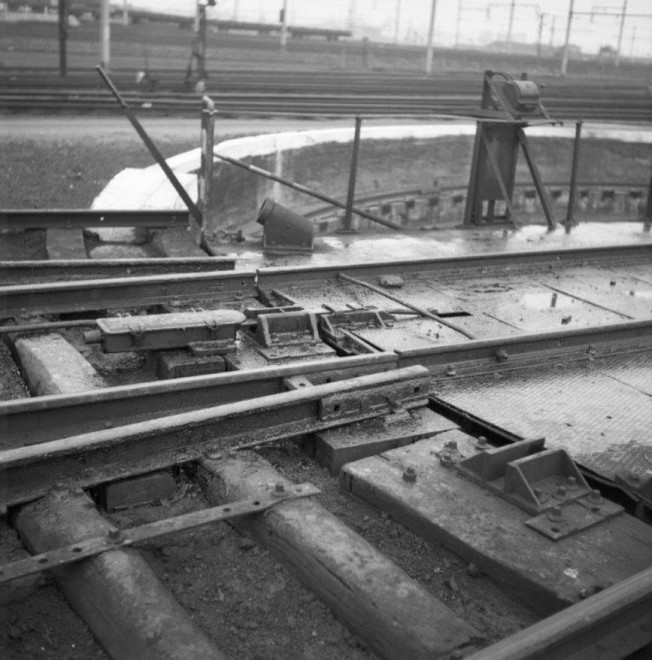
{"x":132,"y":615}
{"x":335,"y":447}
{"x":445,"y":508}
{"x":395,"y":615}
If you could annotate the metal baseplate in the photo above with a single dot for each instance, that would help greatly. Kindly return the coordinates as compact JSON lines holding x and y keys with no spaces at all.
{"x":168,"y":331}
{"x":116,"y":539}
{"x":544,"y":482}
{"x":290,"y":335}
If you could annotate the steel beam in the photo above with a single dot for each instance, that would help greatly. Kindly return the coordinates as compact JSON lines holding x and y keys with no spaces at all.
{"x":16,"y":219}
{"x":45,"y":418}
{"x":27,"y":473}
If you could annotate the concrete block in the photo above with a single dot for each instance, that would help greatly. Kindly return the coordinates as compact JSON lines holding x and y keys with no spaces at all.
{"x":133,"y":235}
{"x":334,"y":448}
{"x":177,"y":243}
{"x":181,"y":363}
{"x":135,"y":491}
{"x":118,"y":251}
{"x":52,"y":366}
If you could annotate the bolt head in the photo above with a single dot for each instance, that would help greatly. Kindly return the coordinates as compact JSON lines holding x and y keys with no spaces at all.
{"x":556,"y":514}
{"x":634,"y":476}
{"x":451,"y":444}
{"x":562,"y":491}
{"x":279,"y":489}
{"x":595,"y":496}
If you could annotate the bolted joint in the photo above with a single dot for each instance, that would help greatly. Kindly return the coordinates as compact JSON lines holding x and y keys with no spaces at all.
{"x":446,"y":459}
{"x":555,"y":514}
{"x":409,"y":474}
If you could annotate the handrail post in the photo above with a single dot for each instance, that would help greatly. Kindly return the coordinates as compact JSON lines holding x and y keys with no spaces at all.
{"x":353,"y":171}
{"x":648,"y":209}
{"x":63,"y":38}
{"x":205,"y":178}
{"x":573,"y":180}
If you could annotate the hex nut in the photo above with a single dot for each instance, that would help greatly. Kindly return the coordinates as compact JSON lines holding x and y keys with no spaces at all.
{"x":409,"y":474}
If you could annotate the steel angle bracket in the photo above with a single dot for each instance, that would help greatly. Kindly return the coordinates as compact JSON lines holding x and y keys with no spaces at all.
{"x":80,"y":461}
{"x":117,"y":539}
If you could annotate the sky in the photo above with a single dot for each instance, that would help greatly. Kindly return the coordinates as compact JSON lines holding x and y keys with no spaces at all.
{"x":472,"y":22}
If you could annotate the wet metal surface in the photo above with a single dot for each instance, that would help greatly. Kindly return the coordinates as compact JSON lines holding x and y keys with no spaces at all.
{"x":601,"y":411}
{"x":393,"y":246}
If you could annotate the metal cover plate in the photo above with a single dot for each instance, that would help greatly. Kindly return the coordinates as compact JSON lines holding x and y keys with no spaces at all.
{"x":596,"y":411}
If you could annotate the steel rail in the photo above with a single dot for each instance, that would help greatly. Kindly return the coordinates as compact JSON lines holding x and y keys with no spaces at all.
{"x":84,"y":295}
{"x":311,"y":276}
{"x":608,"y":625}
{"x":17,"y":219}
{"x":58,"y":270}
{"x":98,"y":294}
{"x":27,"y":473}
{"x":52,"y":417}
{"x":518,"y":351}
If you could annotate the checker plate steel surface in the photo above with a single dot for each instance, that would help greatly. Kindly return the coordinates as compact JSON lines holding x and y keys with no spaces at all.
{"x":601,"y":412}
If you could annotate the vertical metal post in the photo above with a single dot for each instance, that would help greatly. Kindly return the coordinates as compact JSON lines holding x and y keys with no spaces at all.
{"x":397,"y":21}
{"x":458,"y":23}
{"x":564,"y":59}
{"x":648,"y":208}
{"x":284,"y":26}
{"x":105,"y":36}
{"x":431,"y":37}
{"x":205,"y":178}
{"x":353,"y":171}
{"x":573,"y":180}
{"x":539,"y":34}
{"x":510,"y":25}
{"x":620,"y":33}
{"x":63,"y":38}
{"x":201,"y":41}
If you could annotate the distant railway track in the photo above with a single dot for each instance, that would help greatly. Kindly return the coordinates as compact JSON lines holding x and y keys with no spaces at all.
{"x":311,"y":94}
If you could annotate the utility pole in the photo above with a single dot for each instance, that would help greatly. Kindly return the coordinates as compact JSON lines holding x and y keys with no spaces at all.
{"x":510,"y":25}
{"x":431,"y":37}
{"x":284,"y":25}
{"x":125,"y":12}
{"x":620,"y":33}
{"x":564,"y":59}
{"x":351,"y":17}
{"x":397,"y":21}
{"x":105,"y":35}
{"x":540,"y":33}
{"x":552,"y":31}
{"x":63,"y":38}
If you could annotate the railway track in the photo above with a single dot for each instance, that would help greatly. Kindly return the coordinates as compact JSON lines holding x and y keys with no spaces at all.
{"x":299,"y":93}
{"x":292,"y":362}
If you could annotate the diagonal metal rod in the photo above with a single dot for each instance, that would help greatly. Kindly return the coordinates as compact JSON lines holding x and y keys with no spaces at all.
{"x":192,"y":207}
{"x":419,"y":310}
{"x":308,"y":191}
